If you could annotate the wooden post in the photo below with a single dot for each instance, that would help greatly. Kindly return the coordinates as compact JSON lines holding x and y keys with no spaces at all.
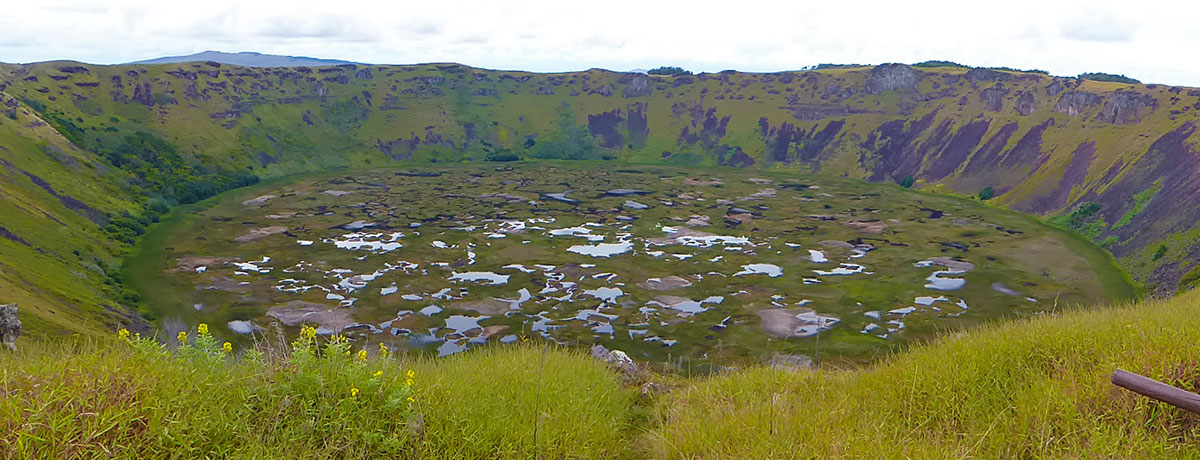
{"x":1157,"y":390}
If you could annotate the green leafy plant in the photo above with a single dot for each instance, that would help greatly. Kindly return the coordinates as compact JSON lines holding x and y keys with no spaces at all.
{"x":987,"y":193}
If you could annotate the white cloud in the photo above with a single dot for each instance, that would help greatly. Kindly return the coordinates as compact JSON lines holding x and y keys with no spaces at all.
{"x":1098,"y":27}
{"x":1065,"y":38}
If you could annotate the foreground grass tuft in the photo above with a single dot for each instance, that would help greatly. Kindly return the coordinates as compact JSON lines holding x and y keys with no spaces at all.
{"x":136,"y":399}
{"x":1032,"y":388}
{"x":1029,"y":388}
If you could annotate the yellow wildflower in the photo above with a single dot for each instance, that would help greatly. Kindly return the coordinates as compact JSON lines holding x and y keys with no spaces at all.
{"x":362,"y":355}
{"x":410,"y":374}
{"x":123,"y":333}
{"x":408,"y":382}
{"x":182,"y":337}
{"x":353,"y":392}
{"x":383,"y":350}
{"x":202,"y":329}
{"x":378,"y":374}
{"x":411,"y":399}
{"x":227,"y":347}
{"x":308,"y":332}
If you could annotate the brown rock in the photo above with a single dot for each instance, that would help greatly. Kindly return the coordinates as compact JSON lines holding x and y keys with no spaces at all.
{"x":259,"y":233}
{"x":669,"y":283}
{"x":867,"y":226}
{"x":702,"y":182}
{"x":489,"y":307}
{"x":784,"y":323}
{"x":225,"y":283}
{"x":297,"y":312}
{"x":490,"y":331}
{"x":192,"y":263}
{"x":258,"y":201}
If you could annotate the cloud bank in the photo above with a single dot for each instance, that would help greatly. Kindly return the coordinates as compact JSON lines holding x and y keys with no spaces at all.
{"x":1145,"y":41}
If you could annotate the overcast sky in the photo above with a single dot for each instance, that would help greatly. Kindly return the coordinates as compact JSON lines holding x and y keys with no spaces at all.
{"x":1154,"y":41}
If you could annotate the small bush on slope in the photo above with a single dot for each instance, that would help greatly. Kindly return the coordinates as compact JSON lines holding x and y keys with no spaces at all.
{"x":1029,"y":388}
{"x":139,"y":400}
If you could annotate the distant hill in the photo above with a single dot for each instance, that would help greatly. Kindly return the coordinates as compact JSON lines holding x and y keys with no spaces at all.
{"x":247,"y":59}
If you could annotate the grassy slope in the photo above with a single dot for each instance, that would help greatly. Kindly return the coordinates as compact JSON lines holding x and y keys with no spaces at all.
{"x":58,"y":277}
{"x":146,"y":403}
{"x":1030,"y":388}
{"x":1024,"y":389}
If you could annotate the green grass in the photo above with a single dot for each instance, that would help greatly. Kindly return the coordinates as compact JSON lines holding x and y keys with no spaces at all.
{"x":1139,"y":204}
{"x":1033,"y":388}
{"x":92,"y":400}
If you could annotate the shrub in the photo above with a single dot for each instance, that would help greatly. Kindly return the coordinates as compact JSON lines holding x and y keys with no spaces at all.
{"x":669,"y":70}
{"x":1160,"y":252}
{"x":1100,"y":76}
{"x":932,"y":64}
{"x":502,"y":156}
{"x":987,"y":193}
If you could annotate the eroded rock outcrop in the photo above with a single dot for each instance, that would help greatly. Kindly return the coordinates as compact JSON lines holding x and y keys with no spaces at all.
{"x":638,"y":86}
{"x":10,"y":326}
{"x":993,"y":98}
{"x":892,"y":77}
{"x":1026,"y":103}
{"x":1075,"y":102}
{"x":1126,"y":107}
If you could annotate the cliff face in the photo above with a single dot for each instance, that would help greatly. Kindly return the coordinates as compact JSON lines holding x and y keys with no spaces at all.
{"x":1047,"y":146}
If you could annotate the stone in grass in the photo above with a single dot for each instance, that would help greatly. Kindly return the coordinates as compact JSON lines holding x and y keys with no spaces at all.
{"x":256,"y":234}
{"x":668,"y":283}
{"x":615,"y":358}
{"x":789,"y":362}
{"x":10,"y":326}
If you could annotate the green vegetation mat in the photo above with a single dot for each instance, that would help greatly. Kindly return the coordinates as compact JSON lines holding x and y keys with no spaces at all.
{"x":693,"y":268}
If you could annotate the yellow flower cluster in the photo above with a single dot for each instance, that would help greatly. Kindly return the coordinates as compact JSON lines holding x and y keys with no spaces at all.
{"x":123,"y":333}
{"x":362,"y":355}
{"x":378,"y":374}
{"x":384,"y":352}
{"x":182,"y":337}
{"x":202,"y":329}
{"x":308,"y":332}
{"x":353,"y":392}
{"x":409,"y":380}
{"x":227,"y":347}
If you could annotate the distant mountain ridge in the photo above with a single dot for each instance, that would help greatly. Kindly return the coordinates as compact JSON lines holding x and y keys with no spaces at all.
{"x":246,"y":59}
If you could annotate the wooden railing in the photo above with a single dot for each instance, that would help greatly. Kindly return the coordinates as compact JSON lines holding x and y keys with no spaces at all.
{"x":1157,"y":390}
